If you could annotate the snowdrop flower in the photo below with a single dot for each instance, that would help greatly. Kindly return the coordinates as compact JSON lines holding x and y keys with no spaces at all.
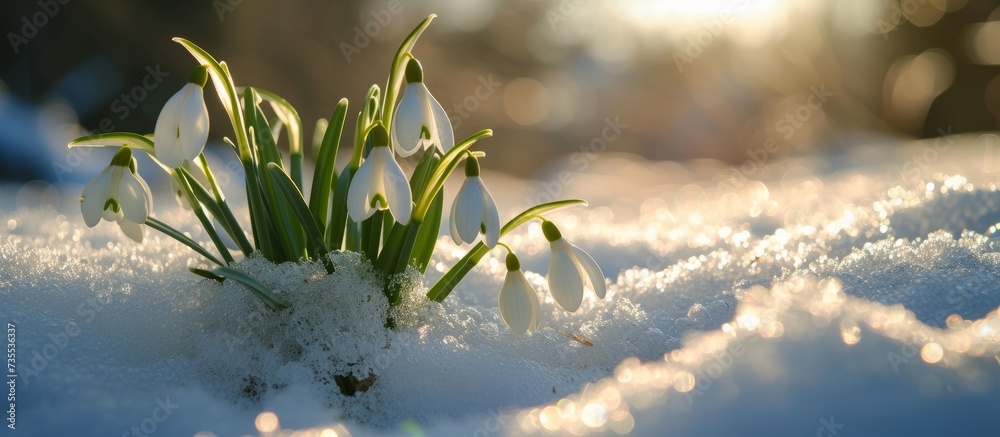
{"x":182,"y":127}
{"x":519,"y":305}
{"x":420,"y":120}
{"x":570,"y":269}
{"x":379,"y":183}
{"x":474,"y":210}
{"x":118,"y":194}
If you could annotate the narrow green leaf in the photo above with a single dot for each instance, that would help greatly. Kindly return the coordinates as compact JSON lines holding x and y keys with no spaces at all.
{"x":396,"y":70}
{"x":205,"y":221}
{"x":298,"y":204}
{"x":319,"y":196}
{"x":217,"y":210}
{"x":220,"y":198}
{"x":290,"y":117}
{"x":427,"y":236}
{"x":338,"y":214}
{"x":318,"y":133}
{"x":538,"y":211}
{"x":273,"y":301}
{"x":180,"y":237}
{"x":371,"y":235}
{"x":115,"y":139}
{"x":207,"y":274}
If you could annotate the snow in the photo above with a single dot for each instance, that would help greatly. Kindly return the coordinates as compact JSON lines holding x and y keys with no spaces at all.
{"x":844,"y":292}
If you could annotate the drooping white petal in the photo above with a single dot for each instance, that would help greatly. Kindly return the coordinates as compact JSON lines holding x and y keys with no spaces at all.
{"x":406,"y":126}
{"x":491,"y":216}
{"x":131,"y":196}
{"x":565,"y":282}
{"x":591,"y":271}
{"x":536,"y":305}
{"x":135,"y":231}
{"x":453,"y":223}
{"x":517,"y":309}
{"x":397,"y":188}
{"x":95,"y":195}
{"x":358,"y":195}
{"x":193,"y":122}
{"x":437,"y":122}
{"x":111,"y":215}
{"x":468,"y":211}
{"x":182,"y":127}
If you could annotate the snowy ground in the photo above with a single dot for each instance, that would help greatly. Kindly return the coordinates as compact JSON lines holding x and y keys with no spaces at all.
{"x":849,"y":293}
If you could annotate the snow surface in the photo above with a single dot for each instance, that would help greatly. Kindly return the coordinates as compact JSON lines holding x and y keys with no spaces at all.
{"x":844,"y":293}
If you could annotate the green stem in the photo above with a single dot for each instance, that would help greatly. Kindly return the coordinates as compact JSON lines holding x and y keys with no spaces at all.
{"x":183,"y":239}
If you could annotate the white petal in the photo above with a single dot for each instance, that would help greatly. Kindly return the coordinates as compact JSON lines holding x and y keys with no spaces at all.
{"x":407,"y":122}
{"x":516,"y":307}
{"x":358,"y":195}
{"x":166,"y":141}
{"x":132,"y":230}
{"x":95,"y":196}
{"x":193,"y":122}
{"x":536,"y":306}
{"x":453,"y":223}
{"x":565,"y":282}
{"x":439,"y":123}
{"x":469,"y":210}
{"x":491,"y":217}
{"x":589,"y":267}
{"x":397,"y":188}
{"x":131,"y":196}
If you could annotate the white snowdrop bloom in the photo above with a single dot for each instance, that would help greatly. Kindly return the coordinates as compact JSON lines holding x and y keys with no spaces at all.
{"x":474,"y":210}
{"x":420,"y":121}
{"x":120,"y":195}
{"x":518,"y":303}
{"x":182,"y":127}
{"x":379,"y":183}
{"x":570,"y":269}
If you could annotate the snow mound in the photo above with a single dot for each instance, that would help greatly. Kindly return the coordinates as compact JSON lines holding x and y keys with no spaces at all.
{"x":830,"y":294}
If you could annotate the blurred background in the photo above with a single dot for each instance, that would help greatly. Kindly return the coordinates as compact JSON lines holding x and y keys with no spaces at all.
{"x":732,"y":80}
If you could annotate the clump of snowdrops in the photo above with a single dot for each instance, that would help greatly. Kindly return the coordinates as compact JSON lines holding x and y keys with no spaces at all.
{"x":370,"y":206}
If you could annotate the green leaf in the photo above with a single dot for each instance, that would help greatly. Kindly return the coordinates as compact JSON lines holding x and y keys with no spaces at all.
{"x":427,"y":236}
{"x":539,"y":211}
{"x":115,"y":139}
{"x":207,"y":274}
{"x":319,"y":196}
{"x":273,"y":301}
{"x":205,"y":222}
{"x":180,"y":237}
{"x":290,"y":117}
{"x":240,"y":237}
{"x":367,"y":116}
{"x":338,"y":214}
{"x":396,"y":70}
{"x":298,"y":204}
{"x":219,"y":211}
